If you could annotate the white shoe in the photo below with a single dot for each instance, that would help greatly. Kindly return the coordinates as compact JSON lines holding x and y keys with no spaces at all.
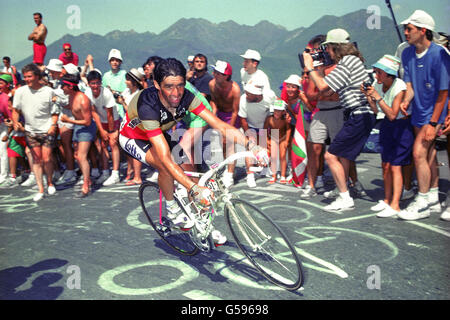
{"x":10,"y":183}
{"x":38,"y":197}
{"x":446,"y":214}
{"x":102,"y":178}
{"x":308,"y":192}
{"x":331,"y":194}
{"x":435,"y":207}
{"x":51,"y":190}
{"x":407,"y":194}
{"x":218,"y":238}
{"x":387,"y":212}
{"x":380,"y":206}
{"x":113,"y":179}
{"x":179,"y":218}
{"x":67,"y":178}
{"x":340,"y":204}
{"x":80,"y":181}
{"x":153,"y":177}
{"x":415,"y":211}
{"x":227,"y":179}
{"x":251,"y":180}
{"x":30,"y":181}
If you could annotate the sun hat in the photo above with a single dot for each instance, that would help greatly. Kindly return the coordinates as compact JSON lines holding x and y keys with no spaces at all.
{"x":279,"y":105}
{"x":71,"y":68}
{"x":135,"y":74}
{"x":223,"y":67}
{"x":55,"y":65}
{"x":251,"y":54}
{"x":388,"y":64}
{"x":253,"y":89}
{"x":337,"y":36}
{"x":294,"y":79}
{"x":6,"y":77}
{"x":114,"y":53}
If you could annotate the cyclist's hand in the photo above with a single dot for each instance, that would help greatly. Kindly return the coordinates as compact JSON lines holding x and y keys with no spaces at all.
{"x":261,"y":155}
{"x":201,"y":195}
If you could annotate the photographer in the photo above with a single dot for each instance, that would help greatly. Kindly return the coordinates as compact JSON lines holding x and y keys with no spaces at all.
{"x":396,"y":133}
{"x":359,"y":117}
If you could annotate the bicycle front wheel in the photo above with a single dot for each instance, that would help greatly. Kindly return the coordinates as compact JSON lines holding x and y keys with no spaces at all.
{"x":264,"y":244}
{"x":151,"y":203}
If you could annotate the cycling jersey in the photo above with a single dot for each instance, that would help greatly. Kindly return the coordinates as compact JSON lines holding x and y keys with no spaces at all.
{"x":147,"y":117}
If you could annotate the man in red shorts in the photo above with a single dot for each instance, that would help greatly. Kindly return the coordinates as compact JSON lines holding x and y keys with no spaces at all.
{"x":38,"y":37}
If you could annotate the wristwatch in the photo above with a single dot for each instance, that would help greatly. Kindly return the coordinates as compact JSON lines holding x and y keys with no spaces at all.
{"x":310,"y":70}
{"x":378,"y":100}
{"x":433,"y":123}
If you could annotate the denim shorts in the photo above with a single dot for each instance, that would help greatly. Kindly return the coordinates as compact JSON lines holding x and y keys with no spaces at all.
{"x":85,"y":133}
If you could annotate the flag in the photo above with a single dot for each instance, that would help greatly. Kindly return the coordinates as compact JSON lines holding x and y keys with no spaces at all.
{"x":299,"y":158}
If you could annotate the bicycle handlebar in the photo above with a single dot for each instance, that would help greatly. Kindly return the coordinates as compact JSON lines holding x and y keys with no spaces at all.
{"x":230,"y":159}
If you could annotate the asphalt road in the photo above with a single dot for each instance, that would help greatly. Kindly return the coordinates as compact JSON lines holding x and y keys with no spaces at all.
{"x":101,"y":247}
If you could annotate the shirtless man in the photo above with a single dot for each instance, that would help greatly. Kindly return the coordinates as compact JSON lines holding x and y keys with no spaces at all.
{"x":84,"y":130}
{"x":225,"y":97}
{"x":38,"y":37}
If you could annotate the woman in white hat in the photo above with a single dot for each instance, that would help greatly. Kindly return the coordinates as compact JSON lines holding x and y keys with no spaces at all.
{"x":396,"y":133}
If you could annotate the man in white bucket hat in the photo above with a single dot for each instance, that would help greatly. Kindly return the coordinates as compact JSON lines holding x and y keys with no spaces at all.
{"x":427,"y":82}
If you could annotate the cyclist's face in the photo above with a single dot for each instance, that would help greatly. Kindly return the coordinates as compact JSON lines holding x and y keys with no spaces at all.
{"x":171,"y":90}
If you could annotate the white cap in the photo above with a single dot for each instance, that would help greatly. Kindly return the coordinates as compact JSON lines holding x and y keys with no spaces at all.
{"x":190,"y":58}
{"x":114,"y":53}
{"x":251,"y":54}
{"x":294,"y":79}
{"x":71,"y":68}
{"x":279,"y":105}
{"x":337,"y":36}
{"x":55,"y":65}
{"x":253,"y":89}
{"x":420,"y":19}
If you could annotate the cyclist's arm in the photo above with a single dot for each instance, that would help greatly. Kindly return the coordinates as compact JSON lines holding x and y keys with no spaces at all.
{"x":164,"y":157}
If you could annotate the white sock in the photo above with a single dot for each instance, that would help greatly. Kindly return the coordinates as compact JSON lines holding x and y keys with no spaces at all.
{"x":433,"y":195}
{"x":170,"y":203}
{"x":345,"y":195}
{"x":115,"y":173}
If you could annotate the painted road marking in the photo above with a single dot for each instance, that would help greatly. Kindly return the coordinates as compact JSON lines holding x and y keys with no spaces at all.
{"x":200,"y":295}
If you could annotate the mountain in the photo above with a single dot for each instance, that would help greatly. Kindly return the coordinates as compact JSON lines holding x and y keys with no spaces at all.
{"x":227,"y":40}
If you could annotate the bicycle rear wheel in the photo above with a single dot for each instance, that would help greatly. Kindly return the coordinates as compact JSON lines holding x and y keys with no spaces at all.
{"x":264,"y":244}
{"x":149,"y":197}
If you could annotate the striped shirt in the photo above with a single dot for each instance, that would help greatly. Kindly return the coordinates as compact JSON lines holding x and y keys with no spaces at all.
{"x":346,"y":80}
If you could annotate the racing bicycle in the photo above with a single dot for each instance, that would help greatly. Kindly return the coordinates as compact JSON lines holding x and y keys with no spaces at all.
{"x":260,"y":239}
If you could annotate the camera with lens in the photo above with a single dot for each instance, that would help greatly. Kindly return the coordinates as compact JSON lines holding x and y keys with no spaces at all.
{"x":320,"y":55}
{"x":368,"y":83}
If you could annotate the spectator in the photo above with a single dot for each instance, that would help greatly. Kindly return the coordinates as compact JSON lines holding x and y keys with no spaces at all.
{"x":250,"y":72}
{"x":225,"y":99}
{"x":5,"y":119}
{"x":84,"y":130}
{"x":68,"y":56}
{"x":38,"y":37}
{"x":396,"y":134}
{"x":108,"y":125}
{"x":148,"y":67}
{"x":115,"y":78}
{"x":34,"y":102}
{"x":278,"y":136}
{"x":200,"y":78}
{"x":345,"y":80}
{"x":254,"y":107}
{"x":133,"y":80}
{"x":11,"y":70}
{"x":427,"y":96}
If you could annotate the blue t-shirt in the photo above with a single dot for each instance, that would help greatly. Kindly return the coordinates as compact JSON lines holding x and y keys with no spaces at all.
{"x":428,"y":75}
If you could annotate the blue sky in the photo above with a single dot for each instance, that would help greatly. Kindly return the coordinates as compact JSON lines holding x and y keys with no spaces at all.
{"x":102,"y":16}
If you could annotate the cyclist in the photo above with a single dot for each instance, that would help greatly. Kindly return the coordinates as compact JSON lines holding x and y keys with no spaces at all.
{"x":144,"y":134}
